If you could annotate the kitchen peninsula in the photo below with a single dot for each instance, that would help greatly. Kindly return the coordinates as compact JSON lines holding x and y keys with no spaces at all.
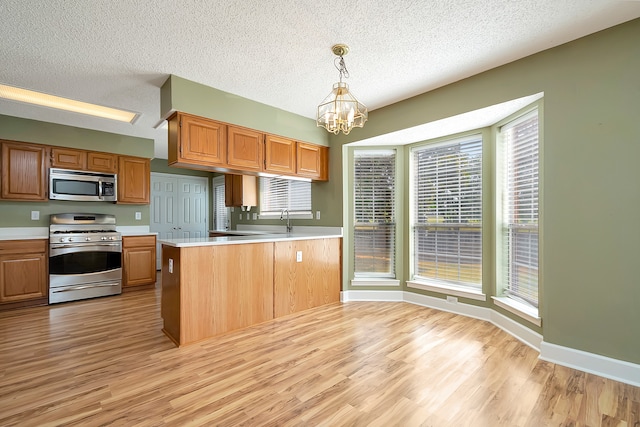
{"x":213,"y":285}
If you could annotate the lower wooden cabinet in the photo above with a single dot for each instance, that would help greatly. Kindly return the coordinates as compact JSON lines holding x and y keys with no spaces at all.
{"x":306,"y":274}
{"x":139,"y":261}
{"x":23,"y":273}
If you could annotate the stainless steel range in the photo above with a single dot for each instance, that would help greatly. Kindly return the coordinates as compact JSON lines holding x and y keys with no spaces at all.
{"x":85,"y":257}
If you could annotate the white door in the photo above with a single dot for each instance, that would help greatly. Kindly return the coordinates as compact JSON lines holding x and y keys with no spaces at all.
{"x":179,"y":207}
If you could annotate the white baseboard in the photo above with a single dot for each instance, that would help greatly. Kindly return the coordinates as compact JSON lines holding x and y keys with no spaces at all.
{"x":618,"y":370}
{"x":592,"y":363}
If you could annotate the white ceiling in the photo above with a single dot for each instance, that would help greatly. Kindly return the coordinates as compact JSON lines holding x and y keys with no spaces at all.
{"x":119,"y":53}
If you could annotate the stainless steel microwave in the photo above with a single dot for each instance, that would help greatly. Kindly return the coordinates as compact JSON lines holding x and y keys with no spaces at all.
{"x":65,"y":184}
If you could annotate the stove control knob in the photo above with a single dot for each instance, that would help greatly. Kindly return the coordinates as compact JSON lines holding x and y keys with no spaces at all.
{"x":62,"y":239}
{"x":88,"y":239}
{"x":103,"y":238}
{"x":112,"y":238}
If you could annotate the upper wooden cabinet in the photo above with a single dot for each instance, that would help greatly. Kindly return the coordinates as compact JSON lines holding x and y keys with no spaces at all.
{"x":68,"y":158}
{"x":24,"y":171}
{"x":134,"y":176}
{"x":244,"y":148}
{"x":201,"y":143}
{"x":312,"y":161}
{"x":102,"y":162}
{"x":280,"y":155}
{"x":196,"y":141}
{"x":240,"y":190}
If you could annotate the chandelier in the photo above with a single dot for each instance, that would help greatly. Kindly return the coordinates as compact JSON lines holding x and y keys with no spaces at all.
{"x":340,"y":110}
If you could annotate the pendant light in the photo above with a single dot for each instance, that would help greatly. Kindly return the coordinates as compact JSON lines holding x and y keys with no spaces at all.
{"x":340,"y":110}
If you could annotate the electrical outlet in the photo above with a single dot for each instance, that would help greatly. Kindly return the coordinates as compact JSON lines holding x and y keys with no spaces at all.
{"x":452,"y":300}
{"x":35,"y":215}
{"x":317,"y":214}
{"x":138,"y":216}
{"x":298,"y":256}
{"x":170,"y":265}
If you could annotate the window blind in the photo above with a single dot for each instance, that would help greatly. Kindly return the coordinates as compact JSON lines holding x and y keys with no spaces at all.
{"x":447,"y":212}
{"x":374,"y":211}
{"x":277,"y":194}
{"x":221,"y":211}
{"x":520,"y":208}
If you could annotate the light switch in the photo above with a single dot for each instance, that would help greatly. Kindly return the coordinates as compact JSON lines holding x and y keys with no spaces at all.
{"x":255,"y":216}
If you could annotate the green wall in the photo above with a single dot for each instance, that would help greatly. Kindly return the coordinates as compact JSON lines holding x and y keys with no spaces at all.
{"x":589,"y":241}
{"x":18,"y":214}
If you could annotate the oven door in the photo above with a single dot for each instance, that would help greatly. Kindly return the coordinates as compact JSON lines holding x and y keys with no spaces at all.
{"x":82,"y":263}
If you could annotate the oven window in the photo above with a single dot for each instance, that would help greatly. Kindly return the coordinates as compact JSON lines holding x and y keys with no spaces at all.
{"x":76,"y":188}
{"x":84,"y":262}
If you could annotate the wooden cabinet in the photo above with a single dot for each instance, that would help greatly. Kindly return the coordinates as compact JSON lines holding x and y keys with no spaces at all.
{"x":312,"y":281}
{"x":23,"y":273}
{"x":196,"y":141}
{"x":24,"y":171}
{"x":312,"y":161}
{"x":139,"y":261}
{"x":134,"y":180}
{"x":68,"y":158}
{"x":240,"y":190}
{"x":102,"y":162}
{"x":244,"y":148}
{"x":280,"y":155}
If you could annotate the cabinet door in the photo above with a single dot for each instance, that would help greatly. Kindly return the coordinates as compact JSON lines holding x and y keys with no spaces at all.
{"x":240,"y":190}
{"x":313,"y":161}
{"x":23,"y":270}
{"x":139,"y":264}
{"x":202,"y":141}
{"x":102,"y":162}
{"x":280,"y":155}
{"x":134,"y":176}
{"x":244,"y":149}
{"x":68,"y":158}
{"x":24,"y":172}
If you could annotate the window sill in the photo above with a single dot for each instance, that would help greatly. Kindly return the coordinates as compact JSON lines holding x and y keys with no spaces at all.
{"x":373,"y":281}
{"x":526,"y":312}
{"x":459,"y":291}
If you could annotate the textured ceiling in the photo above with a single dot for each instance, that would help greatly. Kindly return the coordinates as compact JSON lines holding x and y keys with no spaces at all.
{"x":276,"y":52}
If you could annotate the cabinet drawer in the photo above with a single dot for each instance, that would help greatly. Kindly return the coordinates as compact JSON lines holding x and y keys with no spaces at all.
{"x":138,"y":241}
{"x":23,"y":246}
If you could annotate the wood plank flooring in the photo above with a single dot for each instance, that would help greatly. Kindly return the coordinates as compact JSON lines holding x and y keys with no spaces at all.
{"x":106,"y":362}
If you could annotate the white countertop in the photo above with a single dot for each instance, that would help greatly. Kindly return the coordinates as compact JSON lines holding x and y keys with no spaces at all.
{"x":24,"y":233}
{"x":255,"y":238}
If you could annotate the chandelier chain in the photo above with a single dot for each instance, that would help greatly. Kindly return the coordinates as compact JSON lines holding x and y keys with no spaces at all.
{"x":342,"y":68}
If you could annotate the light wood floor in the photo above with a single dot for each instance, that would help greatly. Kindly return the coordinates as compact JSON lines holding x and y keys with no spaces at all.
{"x":106,"y":362}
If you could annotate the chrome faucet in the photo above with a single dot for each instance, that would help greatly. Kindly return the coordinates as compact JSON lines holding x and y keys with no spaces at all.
{"x":289,"y":227}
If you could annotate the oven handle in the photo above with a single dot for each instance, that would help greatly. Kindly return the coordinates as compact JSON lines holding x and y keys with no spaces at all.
{"x":78,"y":288}
{"x":84,"y":245}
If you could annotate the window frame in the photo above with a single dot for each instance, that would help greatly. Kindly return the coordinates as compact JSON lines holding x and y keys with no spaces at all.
{"x":448,"y":287}
{"x":363,"y":276}
{"x":275,"y":214}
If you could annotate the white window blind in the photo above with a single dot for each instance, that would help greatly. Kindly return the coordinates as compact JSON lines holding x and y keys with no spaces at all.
{"x":277,"y":194}
{"x":520,"y":208}
{"x":447,"y":212}
{"x":221,"y":211}
{"x":374,"y":211}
